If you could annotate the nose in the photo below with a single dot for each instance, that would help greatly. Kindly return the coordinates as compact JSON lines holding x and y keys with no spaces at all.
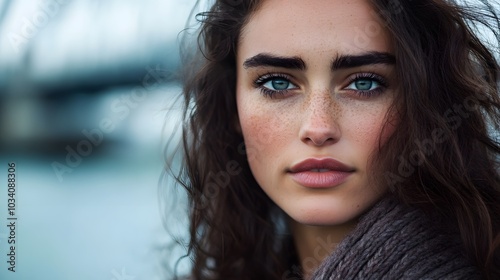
{"x":320,"y":121}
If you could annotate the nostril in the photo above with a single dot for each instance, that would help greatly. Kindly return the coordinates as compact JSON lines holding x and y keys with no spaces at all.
{"x":319,"y":135}
{"x":320,"y":141}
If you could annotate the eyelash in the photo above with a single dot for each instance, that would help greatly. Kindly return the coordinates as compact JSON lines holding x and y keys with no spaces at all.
{"x":369,"y":76}
{"x":259,"y":83}
{"x":262,"y":80}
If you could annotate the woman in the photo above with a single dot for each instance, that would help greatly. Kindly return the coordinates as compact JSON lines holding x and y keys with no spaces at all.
{"x":343,"y":139}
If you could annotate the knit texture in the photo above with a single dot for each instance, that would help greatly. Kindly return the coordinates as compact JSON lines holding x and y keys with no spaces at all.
{"x":395,"y":241}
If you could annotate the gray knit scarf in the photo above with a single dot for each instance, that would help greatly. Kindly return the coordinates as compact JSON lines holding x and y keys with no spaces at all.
{"x":394,"y":241}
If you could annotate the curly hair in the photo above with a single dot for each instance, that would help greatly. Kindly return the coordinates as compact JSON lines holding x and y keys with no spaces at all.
{"x":443,"y":158}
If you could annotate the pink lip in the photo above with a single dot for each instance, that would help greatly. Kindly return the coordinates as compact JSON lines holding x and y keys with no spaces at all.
{"x":333,"y":173}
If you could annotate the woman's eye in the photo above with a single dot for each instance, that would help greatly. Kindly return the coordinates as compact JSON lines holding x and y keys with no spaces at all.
{"x":278,"y":84}
{"x":274,"y":85}
{"x":364,"y":84}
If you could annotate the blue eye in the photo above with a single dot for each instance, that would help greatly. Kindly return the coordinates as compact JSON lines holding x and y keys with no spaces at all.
{"x":364,"y":85}
{"x":367,"y":84}
{"x":278,"y":84}
{"x":272,"y":84}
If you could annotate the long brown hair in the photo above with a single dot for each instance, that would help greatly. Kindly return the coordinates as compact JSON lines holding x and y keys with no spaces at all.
{"x":442,"y":158}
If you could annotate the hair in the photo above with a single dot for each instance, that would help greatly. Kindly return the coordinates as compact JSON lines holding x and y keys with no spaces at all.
{"x":443,"y":157}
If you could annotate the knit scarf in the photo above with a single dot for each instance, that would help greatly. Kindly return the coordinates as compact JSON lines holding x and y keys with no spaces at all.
{"x":395,"y":241}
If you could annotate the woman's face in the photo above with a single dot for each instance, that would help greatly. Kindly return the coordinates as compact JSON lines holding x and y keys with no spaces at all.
{"x":314,"y":84}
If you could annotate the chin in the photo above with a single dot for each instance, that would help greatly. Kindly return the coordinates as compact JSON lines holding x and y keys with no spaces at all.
{"x":322,"y":216}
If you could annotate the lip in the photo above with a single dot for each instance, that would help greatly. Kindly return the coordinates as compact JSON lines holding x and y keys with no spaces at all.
{"x":333,"y":173}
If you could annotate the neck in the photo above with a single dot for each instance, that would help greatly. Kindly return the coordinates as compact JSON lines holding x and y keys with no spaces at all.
{"x":315,"y":243}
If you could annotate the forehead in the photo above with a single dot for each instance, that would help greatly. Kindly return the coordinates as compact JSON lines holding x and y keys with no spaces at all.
{"x":298,"y":27}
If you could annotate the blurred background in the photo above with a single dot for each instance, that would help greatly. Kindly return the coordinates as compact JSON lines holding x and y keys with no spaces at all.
{"x":87,"y":101}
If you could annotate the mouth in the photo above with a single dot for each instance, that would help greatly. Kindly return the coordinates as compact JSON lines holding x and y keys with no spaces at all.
{"x":320,"y":170}
{"x":320,"y":165}
{"x":320,"y":173}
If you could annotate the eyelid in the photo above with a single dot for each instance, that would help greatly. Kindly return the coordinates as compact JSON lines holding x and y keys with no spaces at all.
{"x":268,"y":76}
{"x":366,"y":94}
{"x":367,"y":75}
{"x":271,"y":93}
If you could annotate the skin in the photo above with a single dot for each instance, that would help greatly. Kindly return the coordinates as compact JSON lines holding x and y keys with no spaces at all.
{"x":320,"y":115}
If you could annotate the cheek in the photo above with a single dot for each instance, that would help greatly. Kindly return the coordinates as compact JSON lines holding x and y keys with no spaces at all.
{"x":257,"y":136}
{"x":265,"y":133}
{"x":364,"y":127}
{"x":267,"y":130}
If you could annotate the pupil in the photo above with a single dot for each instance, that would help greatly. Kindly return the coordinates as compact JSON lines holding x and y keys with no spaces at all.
{"x":280,"y":84}
{"x":364,"y":84}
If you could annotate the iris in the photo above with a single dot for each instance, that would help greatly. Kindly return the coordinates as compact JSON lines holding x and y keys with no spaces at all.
{"x":364,"y":84}
{"x":280,"y":84}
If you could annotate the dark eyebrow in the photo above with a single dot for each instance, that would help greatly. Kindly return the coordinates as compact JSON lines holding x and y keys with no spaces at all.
{"x":340,"y":62}
{"x":264,"y":59}
{"x":350,"y":61}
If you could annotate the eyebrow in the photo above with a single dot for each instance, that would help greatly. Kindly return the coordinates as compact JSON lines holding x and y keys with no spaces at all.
{"x":264,"y":59}
{"x":340,"y":62}
{"x":350,"y":61}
